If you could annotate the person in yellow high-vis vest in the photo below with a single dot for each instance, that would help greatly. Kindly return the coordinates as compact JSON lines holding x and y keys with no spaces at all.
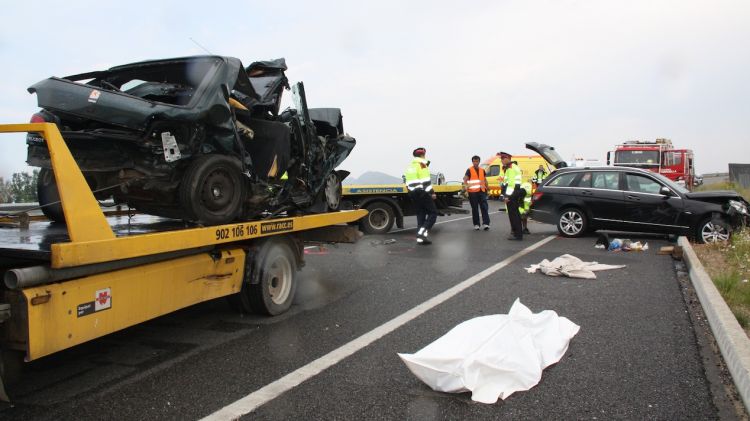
{"x":512,"y":194}
{"x":419,"y":183}
{"x":475,"y":181}
{"x":525,"y":207}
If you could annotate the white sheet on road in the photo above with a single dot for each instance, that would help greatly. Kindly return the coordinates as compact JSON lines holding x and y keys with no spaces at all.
{"x":494,"y":356}
{"x":570,"y":266}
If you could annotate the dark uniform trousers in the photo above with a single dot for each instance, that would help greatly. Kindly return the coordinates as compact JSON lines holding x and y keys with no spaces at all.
{"x":513,"y":215}
{"x":425,"y":208}
{"x":478,"y":201}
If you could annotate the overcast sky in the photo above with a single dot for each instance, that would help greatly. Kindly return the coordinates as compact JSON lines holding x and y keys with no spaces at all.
{"x":459,"y":78}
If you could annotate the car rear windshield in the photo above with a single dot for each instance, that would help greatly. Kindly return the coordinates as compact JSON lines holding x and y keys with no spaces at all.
{"x":170,"y":83}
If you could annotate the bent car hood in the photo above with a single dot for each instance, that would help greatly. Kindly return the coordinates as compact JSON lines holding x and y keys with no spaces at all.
{"x":713,"y":195}
{"x":206,"y":80}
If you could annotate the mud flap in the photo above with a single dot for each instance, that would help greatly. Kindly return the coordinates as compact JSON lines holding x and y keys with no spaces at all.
{"x":4,"y":315}
{"x":3,"y":394}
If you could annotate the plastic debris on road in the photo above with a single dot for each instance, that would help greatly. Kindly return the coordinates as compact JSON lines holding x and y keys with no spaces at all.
{"x":494,"y":356}
{"x":617,"y":244}
{"x":570,"y":266}
{"x":626,"y":245}
{"x":382,"y":242}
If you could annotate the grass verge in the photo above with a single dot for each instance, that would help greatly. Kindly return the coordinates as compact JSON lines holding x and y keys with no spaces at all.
{"x":729,"y":265}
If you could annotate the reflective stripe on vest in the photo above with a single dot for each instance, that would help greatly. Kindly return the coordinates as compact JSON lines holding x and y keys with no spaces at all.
{"x":476,"y":181}
{"x":417,"y":175}
{"x":511,"y":177}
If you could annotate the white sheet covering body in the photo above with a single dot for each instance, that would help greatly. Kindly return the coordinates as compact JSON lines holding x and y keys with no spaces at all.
{"x":494,"y":356}
{"x":570,"y":266}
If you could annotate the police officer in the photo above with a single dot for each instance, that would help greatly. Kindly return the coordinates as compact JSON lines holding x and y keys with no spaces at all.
{"x":475,"y":181}
{"x":417,"y":178}
{"x":512,"y":194}
{"x":524,"y":209}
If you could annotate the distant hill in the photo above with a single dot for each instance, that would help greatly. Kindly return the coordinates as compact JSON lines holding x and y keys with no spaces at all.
{"x":373,"y":177}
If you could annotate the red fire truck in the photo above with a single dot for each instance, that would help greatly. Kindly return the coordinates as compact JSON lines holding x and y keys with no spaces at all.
{"x":658,"y":156}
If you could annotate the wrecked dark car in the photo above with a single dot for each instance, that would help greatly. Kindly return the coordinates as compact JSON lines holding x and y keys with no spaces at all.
{"x":197,"y":138}
{"x":581,"y":200}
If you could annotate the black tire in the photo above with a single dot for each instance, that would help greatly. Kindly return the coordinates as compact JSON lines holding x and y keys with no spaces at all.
{"x":277,"y":279}
{"x":212,"y":189}
{"x":379,"y":219}
{"x":49,"y":196}
{"x":572,"y":222}
{"x":712,"y":230}
{"x":332,"y":191}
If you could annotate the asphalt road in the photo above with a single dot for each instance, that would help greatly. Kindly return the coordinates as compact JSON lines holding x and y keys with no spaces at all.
{"x":640,"y":354}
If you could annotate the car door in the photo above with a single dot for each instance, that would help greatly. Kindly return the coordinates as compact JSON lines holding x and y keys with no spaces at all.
{"x":646,"y":209}
{"x":601,"y":194}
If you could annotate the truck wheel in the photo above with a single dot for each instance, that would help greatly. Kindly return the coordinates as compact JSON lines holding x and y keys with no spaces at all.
{"x":49,"y":196}
{"x":212,"y":190}
{"x":277,"y":280}
{"x":379,"y":219}
{"x":712,"y":230}
{"x":572,"y":223}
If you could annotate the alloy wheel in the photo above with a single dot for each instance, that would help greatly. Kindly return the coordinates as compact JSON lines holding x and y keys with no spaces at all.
{"x":571,"y":222}
{"x":713,"y":233}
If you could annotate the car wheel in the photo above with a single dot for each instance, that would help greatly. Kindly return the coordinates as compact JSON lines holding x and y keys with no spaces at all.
{"x":712,"y":230}
{"x":572,"y":223}
{"x":379,"y":219}
{"x":49,"y":196}
{"x":212,"y":189}
{"x":332,"y":191}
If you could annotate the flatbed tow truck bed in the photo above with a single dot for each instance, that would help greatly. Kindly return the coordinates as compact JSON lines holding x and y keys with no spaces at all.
{"x":65,"y":284}
{"x":388,"y":204}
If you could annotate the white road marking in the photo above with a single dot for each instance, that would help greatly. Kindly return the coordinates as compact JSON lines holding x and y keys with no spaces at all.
{"x":441,"y":222}
{"x":272,"y":390}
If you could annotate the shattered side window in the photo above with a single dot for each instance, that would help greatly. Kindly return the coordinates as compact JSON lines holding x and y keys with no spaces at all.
{"x":298,"y":96}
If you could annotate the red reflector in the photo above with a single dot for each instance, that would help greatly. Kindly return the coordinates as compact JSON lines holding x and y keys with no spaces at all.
{"x":37,"y":118}
{"x":536,"y":196}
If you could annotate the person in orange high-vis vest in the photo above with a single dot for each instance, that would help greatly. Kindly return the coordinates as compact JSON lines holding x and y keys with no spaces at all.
{"x":475,"y":182}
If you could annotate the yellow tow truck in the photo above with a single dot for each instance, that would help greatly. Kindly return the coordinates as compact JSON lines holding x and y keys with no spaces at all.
{"x":68,"y":284}
{"x":387,"y":204}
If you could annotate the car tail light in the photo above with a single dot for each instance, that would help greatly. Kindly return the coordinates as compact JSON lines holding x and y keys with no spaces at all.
{"x":536,"y":196}
{"x":37,"y":118}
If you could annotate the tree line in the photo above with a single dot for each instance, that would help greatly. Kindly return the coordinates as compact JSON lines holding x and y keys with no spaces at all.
{"x":21,"y":188}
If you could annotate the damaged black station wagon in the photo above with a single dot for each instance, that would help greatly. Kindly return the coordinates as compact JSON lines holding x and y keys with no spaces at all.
{"x":196,"y":138}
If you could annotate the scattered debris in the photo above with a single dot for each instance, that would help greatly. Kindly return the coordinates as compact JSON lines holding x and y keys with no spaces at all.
{"x":603,"y":242}
{"x":570,"y":266}
{"x":382,"y":243}
{"x":317,"y":249}
{"x":666,"y":250}
{"x":494,"y":356}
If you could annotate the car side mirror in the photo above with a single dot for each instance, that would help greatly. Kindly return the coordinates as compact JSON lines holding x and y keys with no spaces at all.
{"x":664,"y":190}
